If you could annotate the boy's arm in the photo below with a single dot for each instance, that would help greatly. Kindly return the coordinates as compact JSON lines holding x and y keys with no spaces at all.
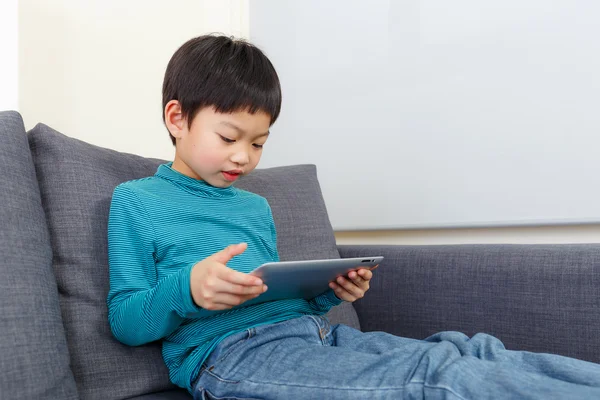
{"x":141,"y":308}
{"x":322,"y":303}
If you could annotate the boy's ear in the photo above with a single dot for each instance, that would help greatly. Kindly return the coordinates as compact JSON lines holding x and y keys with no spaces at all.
{"x":174,"y":120}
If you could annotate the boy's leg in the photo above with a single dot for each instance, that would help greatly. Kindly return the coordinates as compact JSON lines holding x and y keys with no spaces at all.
{"x":305,"y":358}
{"x":470,"y":367}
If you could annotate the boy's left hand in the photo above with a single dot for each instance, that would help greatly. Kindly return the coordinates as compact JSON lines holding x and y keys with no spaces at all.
{"x":354,"y":287}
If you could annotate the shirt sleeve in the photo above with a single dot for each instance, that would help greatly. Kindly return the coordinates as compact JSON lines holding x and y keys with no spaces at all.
{"x":325,"y":302}
{"x":141,"y":308}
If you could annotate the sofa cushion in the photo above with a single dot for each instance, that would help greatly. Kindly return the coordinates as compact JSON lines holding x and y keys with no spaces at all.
{"x":77,"y":181}
{"x":34,"y":361}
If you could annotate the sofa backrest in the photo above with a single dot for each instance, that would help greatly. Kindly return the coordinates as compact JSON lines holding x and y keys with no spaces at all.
{"x":34,"y":361}
{"x":76,"y":182}
{"x":533,"y":297}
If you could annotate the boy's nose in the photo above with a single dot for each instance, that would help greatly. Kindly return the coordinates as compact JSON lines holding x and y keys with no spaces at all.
{"x":240,"y":158}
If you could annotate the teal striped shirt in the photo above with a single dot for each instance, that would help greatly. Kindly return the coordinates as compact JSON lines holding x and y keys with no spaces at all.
{"x":159,"y":227}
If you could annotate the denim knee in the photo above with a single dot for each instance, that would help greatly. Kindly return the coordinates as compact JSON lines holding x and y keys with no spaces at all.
{"x":482,"y":345}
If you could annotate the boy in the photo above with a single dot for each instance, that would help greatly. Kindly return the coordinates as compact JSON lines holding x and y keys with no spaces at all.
{"x":182,"y":241}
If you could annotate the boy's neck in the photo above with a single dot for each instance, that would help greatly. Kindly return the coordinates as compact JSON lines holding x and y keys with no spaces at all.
{"x":180,"y":166}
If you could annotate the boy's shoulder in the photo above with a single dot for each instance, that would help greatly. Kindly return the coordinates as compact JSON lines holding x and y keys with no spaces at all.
{"x":149,"y":183}
{"x":143,"y":190}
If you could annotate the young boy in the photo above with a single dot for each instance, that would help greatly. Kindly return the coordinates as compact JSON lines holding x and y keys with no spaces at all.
{"x":182,"y":241}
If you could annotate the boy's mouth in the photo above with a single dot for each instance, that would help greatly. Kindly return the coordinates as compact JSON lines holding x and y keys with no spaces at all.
{"x":232,"y":175}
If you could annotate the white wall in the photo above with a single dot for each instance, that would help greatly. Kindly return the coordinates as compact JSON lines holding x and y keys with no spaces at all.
{"x":9,"y":55}
{"x":433,"y":114}
{"x":94,"y":69}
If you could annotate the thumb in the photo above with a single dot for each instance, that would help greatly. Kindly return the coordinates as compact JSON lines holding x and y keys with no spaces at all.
{"x":229,"y":252}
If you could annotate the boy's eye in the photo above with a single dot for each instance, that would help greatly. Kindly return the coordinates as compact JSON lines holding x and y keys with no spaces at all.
{"x":227,"y":140}
{"x":258,"y":146}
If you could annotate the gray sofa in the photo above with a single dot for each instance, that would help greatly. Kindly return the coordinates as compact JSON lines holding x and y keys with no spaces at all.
{"x":55,"y":342}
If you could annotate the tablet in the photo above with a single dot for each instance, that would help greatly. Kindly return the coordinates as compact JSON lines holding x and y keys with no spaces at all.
{"x":305,"y":279}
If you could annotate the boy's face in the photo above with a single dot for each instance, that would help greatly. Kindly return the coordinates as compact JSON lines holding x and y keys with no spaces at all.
{"x":217,"y":148}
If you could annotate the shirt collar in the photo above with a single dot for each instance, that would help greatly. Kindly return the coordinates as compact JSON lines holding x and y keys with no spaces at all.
{"x":195,"y":186}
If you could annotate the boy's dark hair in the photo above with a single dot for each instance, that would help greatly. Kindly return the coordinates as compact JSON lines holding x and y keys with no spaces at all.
{"x":228,"y":74}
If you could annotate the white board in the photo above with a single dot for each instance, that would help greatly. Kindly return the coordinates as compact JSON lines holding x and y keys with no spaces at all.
{"x":423,"y":114}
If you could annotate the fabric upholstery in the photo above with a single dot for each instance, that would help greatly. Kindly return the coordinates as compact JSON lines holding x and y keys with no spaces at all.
{"x":541,"y":298}
{"x":34,"y":357}
{"x":178,"y":394}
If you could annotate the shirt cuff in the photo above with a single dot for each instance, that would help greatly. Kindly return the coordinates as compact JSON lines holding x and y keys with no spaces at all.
{"x":187,"y":301}
{"x":332,"y":298}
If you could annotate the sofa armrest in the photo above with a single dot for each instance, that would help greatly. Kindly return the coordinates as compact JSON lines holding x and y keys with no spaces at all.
{"x":543,"y":298}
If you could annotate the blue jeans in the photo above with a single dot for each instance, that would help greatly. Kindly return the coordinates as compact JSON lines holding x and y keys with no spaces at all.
{"x":307,"y":358}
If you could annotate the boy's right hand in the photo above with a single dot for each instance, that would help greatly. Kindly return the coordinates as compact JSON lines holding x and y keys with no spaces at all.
{"x":214,"y":286}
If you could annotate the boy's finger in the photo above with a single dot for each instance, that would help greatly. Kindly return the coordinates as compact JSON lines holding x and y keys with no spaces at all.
{"x":218,"y":306}
{"x":230,"y":302}
{"x":365,"y":274}
{"x":239,"y":278}
{"x":360,"y":275}
{"x":241,"y":290}
{"x":229,"y":252}
{"x":340,"y":292}
{"x":350,"y":287}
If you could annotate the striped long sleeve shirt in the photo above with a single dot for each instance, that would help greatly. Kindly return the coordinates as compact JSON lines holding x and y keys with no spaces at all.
{"x":159,"y":228}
